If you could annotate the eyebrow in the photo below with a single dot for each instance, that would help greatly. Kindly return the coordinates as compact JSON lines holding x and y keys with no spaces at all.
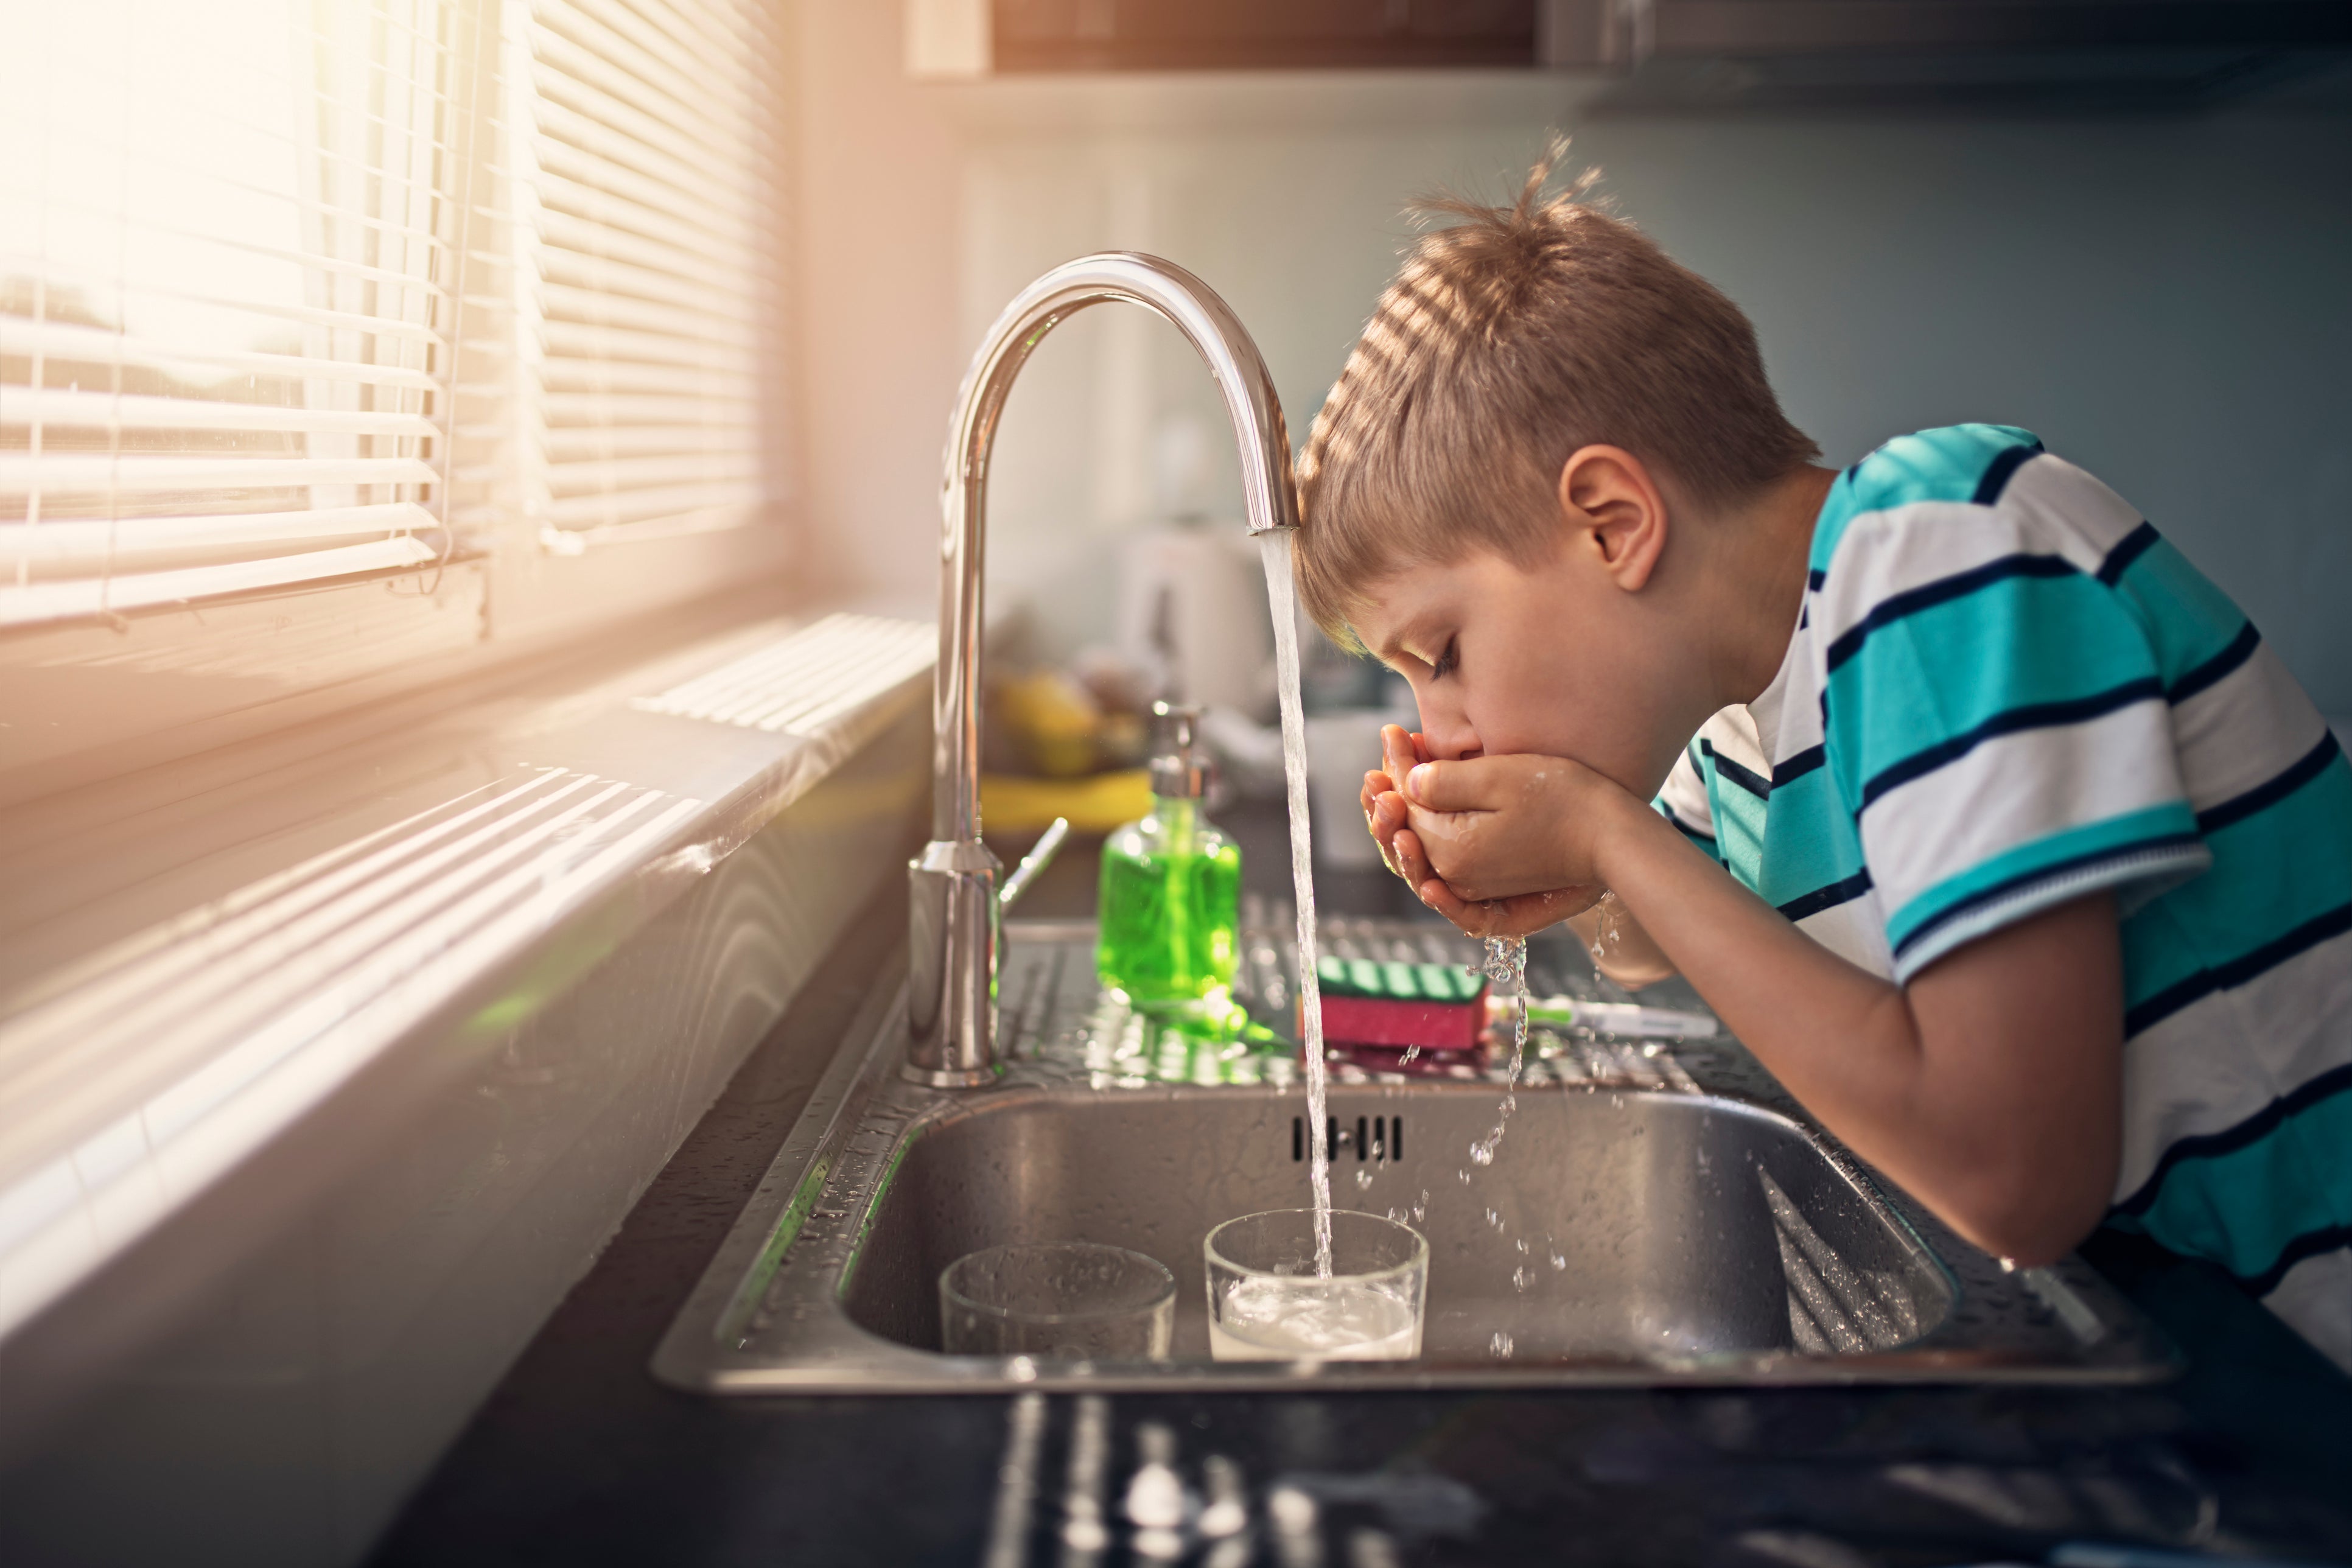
{"x":1393,"y":644}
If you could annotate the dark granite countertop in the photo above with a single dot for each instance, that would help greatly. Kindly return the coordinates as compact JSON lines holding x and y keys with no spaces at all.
{"x":580,"y":1459}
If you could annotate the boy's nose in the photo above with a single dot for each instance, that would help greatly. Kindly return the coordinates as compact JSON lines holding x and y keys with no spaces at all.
{"x":1452,"y":741}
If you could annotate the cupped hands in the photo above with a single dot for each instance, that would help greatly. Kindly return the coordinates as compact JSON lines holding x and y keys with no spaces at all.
{"x":1499,"y":845}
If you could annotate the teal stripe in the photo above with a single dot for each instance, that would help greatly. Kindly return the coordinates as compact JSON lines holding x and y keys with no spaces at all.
{"x":2013,"y":643}
{"x":2114,"y":837}
{"x":2241,"y":1209}
{"x":1943,"y":465}
{"x":2181,"y":614}
{"x":1701,"y":840}
{"x":1738,"y":825}
{"x":1812,"y":837}
{"x":2273,"y":871}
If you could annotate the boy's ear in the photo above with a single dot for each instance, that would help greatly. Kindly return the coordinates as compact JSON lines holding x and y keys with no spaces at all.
{"x":1616,"y":511}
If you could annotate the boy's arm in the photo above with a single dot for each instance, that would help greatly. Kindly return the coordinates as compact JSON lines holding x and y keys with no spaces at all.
{"x":1989,"y":1088}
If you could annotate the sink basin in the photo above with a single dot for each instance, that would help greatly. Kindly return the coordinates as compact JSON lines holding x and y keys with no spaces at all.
{"x":1653,"y":1223}
{"x":1645,"y":1219}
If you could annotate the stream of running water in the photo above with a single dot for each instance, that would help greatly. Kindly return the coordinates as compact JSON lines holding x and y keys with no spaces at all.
{"x":1281,"y":599}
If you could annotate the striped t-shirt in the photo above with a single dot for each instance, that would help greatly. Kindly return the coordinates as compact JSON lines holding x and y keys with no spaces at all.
{"x":2006,"y":690}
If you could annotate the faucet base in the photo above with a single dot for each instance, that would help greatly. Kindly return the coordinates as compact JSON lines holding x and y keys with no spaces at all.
{"x":953,"y":918}
{"x":950,"y":1077}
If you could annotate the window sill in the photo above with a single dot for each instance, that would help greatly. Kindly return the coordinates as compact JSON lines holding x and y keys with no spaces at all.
{"x":196,"y":961}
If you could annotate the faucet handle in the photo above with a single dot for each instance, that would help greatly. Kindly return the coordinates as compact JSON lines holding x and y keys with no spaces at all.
{"x":1040,"y":855}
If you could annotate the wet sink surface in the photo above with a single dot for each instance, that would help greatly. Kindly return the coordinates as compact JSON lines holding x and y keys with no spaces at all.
{"x":1649,"y":1227}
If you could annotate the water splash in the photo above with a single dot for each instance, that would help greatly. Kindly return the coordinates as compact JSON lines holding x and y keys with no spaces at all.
{"x":1607,"y":927}
{"x":1506,"y":968}
{"x":1281,"y":598}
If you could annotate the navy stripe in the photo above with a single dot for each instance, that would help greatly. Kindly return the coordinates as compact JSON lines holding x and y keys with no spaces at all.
{"x":1675,"y":817}
{"x":2311,"y":1244}
{"x":1842,"y":892}
{"x":2229,"y":1140}
{"x":1753,"y":782}
{"x":2134,"y":545}
{"x":2241,"y":648}
{"x":2238,"y":970}
{"x":2032,"y":716}
{"x":1911,"y":601}
{"x":1997,"y":472}
{"x":1797,"y":766}
{"x":1704,"y":840}
{"x":2002,"y":890}
{"x":2237,"y":808}
{"x":1815,"y":577}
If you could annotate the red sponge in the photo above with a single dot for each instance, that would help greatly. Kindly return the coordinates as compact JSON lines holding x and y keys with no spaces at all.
{"x":1373,"y":1011}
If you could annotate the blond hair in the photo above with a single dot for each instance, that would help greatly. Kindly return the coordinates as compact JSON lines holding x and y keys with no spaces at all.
{"x":1510,"y":338}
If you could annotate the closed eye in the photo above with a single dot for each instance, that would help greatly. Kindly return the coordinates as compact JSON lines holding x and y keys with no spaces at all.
{"x":1446,"y":661}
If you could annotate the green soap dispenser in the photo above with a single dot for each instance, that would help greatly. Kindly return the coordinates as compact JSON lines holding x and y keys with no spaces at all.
{"x":1170,"y":904}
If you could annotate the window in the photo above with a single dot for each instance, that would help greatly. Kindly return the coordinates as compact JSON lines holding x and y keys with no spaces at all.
{"x":649,"y":280}
{"x":382,"y":312}
{"x":224,"y":298}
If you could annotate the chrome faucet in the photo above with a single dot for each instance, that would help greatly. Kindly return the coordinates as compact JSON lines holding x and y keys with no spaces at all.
{"x":954,"y":920}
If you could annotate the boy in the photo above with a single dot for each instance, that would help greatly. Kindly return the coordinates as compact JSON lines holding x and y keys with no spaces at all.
{"x":2004,"y":842}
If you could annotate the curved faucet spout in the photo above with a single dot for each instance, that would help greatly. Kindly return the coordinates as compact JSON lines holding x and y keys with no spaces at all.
{"x":951,"y":1009}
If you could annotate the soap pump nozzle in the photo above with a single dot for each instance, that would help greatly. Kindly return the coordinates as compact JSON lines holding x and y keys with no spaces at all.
{"x":1180,"y":764}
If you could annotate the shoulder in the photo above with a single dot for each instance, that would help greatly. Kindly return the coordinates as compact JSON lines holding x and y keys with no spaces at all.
{"x":1962,"y":465}
{"x":1964,"y":497}
{"x":1954,"y":463}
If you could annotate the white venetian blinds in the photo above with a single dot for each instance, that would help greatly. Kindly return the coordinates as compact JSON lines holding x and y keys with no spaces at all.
{"x":648,"y":288}
{"x":226,"y":264}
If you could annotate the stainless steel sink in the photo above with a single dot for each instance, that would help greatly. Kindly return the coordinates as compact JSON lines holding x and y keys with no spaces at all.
{"x":1665,"y":1217}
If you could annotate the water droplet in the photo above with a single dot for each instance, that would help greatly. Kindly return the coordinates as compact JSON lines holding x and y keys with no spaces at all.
{"x":1482,"y":1153}
{"x":1364,"y":1179}
{"x":1521,"y":1279}
{"x":1493,"y":1219}
{"x":1522,"y":1244}
{"x":1500,"y":1345}
{"x":1558,"y":1261}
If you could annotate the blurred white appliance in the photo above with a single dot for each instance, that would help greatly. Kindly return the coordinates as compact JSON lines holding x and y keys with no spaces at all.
{"x":1193,"y":604}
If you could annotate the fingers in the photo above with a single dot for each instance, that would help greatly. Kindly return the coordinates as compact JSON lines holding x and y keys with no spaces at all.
{"x":1396,"y":752}
{"x":1411,"y":863}
{"x":1452,"y":786}
{"x":1384,"y":812}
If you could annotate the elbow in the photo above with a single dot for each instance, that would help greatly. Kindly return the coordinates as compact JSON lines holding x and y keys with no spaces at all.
{"x":1634,"y":975}
{"x":2030,"y":1219}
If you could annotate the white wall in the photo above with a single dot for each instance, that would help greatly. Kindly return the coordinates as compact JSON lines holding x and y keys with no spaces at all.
{"x":2163,"y":300}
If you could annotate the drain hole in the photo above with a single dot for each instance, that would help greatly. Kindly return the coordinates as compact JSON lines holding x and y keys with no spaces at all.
{"x":1380,"y":1138}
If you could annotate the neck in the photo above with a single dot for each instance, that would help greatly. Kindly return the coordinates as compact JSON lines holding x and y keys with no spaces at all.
{"x":1761,"y":580}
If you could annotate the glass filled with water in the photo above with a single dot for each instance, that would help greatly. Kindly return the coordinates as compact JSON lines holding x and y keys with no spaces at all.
{"x":1073,"y":1300}
{"x":1268,"y":1302}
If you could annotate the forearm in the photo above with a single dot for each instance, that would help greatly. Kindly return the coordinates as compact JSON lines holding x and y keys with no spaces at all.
{"x":1851,"y":1047}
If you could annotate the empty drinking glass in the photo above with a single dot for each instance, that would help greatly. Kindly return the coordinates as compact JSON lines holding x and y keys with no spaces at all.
{"x":1076,"y":1299}
{"x":1266,"y":1303}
